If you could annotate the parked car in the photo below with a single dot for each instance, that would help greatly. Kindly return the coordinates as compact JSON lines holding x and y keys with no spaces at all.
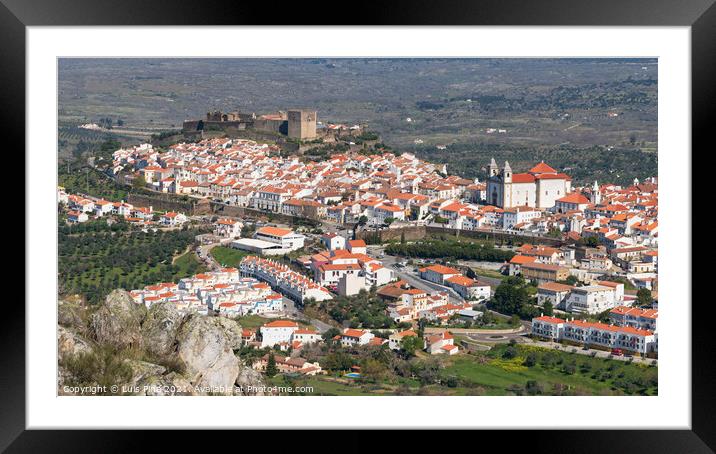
{"x":617,"y":352}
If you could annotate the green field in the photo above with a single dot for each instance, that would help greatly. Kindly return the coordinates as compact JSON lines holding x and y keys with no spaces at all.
{"x":532,"y":371}
{"x":189,"y":264}
{"x":227,"y":256}
{"x":489,"y":273}
{"x":562,"y":373}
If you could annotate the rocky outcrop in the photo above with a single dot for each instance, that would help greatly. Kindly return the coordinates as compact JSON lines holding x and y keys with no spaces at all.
{"x":171,"y":384}
{"x":198,"y":349}
{"x":72,"y":314}
{"x":205,"y":349}
{"x":118,"y":321}
{"x":232,"y":330}
{"x":160,"y":329}
{"x":70,"y":344}
{"x":249,"y":382}
{"x":142,"y":371}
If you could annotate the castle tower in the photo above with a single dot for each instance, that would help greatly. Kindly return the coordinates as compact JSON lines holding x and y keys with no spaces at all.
{"x":596,"y":194}
{"x":302,"y":124}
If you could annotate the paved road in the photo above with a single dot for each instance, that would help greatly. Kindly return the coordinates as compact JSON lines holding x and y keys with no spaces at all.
{"x":409,"y":277}
{"x":292,"y":311}
{"x":490,"y":338}
{"x":202,"y":252}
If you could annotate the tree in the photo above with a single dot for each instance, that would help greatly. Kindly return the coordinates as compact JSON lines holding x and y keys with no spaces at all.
{"x":388,"y":221}
{"x":373,"y":370}
{"x":509,"y":298}
{"x":531,"y":359}
{"x":533,"y":387}
{"x":643,"y":296}
{"x":139,"y":182}
{"x":271,"y":369}
{"x":547,"y":309}
{"x":571,"y":280}
{"x":410,"y":344}
{"x":363,"y":220}
{"x":591,"y":241}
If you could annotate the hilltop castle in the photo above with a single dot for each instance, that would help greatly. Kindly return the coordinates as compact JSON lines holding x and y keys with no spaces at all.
{"x":296,"y":124}
{"x":540,"y":187}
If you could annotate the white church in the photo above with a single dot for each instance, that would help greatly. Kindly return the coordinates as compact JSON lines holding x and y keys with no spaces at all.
{"x":540,"y":187}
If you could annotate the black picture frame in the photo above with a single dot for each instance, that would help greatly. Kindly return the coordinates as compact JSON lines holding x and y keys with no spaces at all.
{"x":700,"y":15}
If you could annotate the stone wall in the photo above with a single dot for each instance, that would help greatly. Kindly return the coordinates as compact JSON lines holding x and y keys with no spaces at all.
{"x":220,"y":209}
{"x":411,"y":234}
{"x":161,"y":202}
{"x":496,"y":236}
{"x":415,"y":233}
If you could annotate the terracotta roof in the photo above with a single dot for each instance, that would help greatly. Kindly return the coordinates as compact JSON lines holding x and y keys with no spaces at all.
{"x":575,"y":197}
{"x":549,"y":319}
{"x":281,"y":324}
{"x":273,"y":231}
{"x":522,"y":259}
{"x":441,"y":269}
{"x":542,"y":168}
{"x":555,"y":287}
{"x":353,"y":333}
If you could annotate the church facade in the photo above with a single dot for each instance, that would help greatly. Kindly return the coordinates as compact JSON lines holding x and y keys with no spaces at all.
{"x":540,"y":187}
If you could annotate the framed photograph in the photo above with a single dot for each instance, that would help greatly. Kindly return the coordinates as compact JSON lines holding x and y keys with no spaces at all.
{"x":465,"y":216}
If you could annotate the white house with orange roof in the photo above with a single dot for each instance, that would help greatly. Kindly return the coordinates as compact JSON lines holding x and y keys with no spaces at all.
{"x":574,"y":201}
{"x":276,"y":332}
{"x":516,"y":262}
{"x":102,"y":207}
{"x":469,"y":289}
{"x":228,"y":228}
{"x":77,"y":217}
{"x":285,"y":238}
{"x":333,"y":241}
{"x":590,"y":299}
{"x":441,"y":343}
{"x":610,"y":336}
{"x":331,"y":273}
{"x":305,"y":336}
{"x":270,"y":198}
{"x":514,"y":216}
{"x":635,"y":317}
{"x":554,"y":293}
{"x":388,"y":210}
{"x":549,"y":327}
{"x":376,"y":274}
{"x":172,"y":219}
{"x":351,"y":337}
{"x":438,"y":273}
{"x":357,"y":247}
